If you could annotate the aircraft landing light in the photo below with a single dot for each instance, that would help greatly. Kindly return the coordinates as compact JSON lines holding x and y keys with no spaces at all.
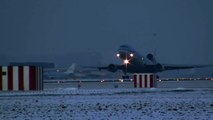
{"x":126,"y":61}
{"x":118,"y":55}
{"x":131,"y":55}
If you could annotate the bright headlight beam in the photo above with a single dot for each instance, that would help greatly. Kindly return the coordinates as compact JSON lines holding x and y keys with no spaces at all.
{"x":118,"y":55}
{"x":126,"y":61}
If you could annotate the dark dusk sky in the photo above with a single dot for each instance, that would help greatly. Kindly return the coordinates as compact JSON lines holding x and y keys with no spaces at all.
{"x":180,"y":31}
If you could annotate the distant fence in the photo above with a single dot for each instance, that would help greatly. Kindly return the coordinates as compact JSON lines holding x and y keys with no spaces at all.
{"x":144,"y":80}
{"x":21,"y":78}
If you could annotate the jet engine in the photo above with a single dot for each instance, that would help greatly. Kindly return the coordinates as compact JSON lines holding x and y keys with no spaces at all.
{"x":112,"y":68}
{"x":159,"y":67}
{"x":151,"y":57}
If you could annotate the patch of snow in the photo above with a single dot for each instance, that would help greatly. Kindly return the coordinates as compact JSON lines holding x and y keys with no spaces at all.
{"x":180,"y":103}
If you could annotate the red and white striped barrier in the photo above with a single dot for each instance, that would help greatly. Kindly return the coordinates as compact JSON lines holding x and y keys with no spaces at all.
{"x":20,"y":78}
{"x":144,"y":80}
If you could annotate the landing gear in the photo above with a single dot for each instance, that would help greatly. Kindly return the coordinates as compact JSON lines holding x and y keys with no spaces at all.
{"x":157,"y":77}
{"x":125,"y":76}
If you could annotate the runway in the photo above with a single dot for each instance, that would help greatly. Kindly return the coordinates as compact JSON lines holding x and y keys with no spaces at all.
{"x":125,"y":84}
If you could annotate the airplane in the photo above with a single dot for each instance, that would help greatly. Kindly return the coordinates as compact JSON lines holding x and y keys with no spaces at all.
{"x":57,"y":74}
{"x":134,"y":62}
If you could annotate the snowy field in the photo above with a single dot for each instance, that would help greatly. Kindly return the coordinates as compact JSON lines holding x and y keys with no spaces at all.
{"x":111,"y":104}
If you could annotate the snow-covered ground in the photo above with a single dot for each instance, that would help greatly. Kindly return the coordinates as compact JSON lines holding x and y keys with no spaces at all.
{"x":101,"y":104}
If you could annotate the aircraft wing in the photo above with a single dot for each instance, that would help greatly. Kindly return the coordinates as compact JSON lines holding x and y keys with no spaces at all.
{"x":110,"y":67}
{"x":175,"y":67}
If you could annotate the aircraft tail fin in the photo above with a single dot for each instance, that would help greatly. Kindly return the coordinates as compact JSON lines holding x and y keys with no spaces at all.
{"x":71,"y":69}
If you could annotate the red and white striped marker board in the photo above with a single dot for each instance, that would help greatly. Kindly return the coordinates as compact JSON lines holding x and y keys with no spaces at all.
{"x":144,"y":80}
{"x":13,"y":78}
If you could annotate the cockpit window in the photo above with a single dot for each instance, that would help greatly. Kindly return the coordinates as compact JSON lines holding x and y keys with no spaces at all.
{"x":127,"y":48}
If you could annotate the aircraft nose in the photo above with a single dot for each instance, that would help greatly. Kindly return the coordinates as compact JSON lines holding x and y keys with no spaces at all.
{"x":121,"y":54}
